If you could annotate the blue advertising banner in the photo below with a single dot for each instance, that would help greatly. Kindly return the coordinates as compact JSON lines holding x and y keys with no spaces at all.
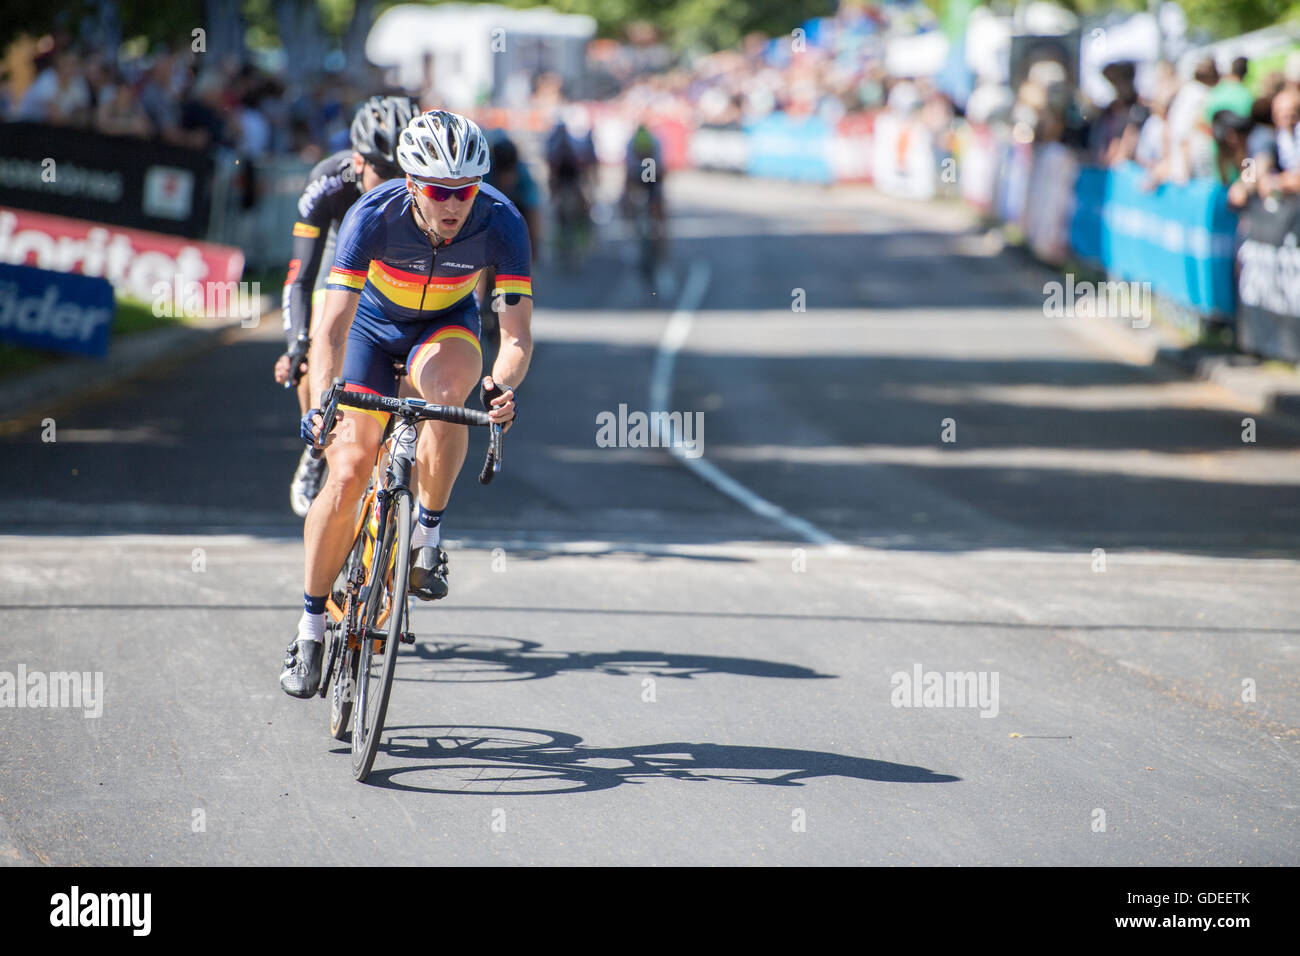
{"x":1180,"y":239}
{"x":782,"y":147}
{"x":57,"y":311}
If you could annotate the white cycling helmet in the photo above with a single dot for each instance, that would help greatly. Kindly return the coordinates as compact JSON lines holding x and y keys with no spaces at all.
{"x":443,"y":145}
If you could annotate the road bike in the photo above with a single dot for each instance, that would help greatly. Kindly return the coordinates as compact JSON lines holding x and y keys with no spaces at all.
{"x":368,"y":606}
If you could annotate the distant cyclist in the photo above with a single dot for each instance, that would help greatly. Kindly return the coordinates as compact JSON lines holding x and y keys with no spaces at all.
{"x":643,"y":192}
{"x":402,"y":290}
{"x":333,"y":186}
{"x":571,"y":164}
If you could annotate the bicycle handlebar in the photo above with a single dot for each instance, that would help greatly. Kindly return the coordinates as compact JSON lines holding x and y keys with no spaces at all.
{"x":412,"y":410}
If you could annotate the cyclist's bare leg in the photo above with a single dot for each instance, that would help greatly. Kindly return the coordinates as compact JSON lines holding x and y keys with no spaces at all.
{"x":328,"y":528}
{"x":447,"y":377}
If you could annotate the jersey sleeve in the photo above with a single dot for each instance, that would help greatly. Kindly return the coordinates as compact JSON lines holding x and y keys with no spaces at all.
{"x":310,"y":236}
{"x":511,"y":254}
{"x":361,"y":238}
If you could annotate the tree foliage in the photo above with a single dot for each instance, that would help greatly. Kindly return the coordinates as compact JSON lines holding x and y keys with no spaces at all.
{"x":711,"y":23}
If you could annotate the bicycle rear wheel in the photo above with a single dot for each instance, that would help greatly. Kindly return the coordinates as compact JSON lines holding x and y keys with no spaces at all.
{"x":375,"y":671}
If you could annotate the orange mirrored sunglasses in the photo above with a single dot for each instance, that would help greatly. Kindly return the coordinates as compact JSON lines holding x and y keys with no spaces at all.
{"x":443,"y":193}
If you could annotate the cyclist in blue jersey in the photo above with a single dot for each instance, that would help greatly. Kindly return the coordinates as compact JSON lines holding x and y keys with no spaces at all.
{"x":402,"y":290}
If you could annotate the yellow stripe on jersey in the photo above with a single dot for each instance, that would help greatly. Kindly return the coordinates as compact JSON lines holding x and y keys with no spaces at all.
{"x":347,"y":277}
{"x":305,"y":230}
{"x":429,"y":295}
{"x":514,"y":285}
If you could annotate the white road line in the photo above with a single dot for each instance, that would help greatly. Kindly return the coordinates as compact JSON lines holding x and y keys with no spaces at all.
{"x":661,"y":384}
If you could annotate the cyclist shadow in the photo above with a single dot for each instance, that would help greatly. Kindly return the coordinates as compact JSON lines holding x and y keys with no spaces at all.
{"x":490,"y":657}
{"x":505,"y":761}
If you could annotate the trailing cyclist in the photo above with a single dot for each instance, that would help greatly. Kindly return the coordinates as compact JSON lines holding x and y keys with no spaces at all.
{"x":402,"y":290}
{"x":643,"y":195}
{"x":334,"y":184}
{"x":571,"y":167}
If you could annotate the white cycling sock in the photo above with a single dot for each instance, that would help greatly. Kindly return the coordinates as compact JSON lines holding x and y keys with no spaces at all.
{"x":311,"y":627}
{"x":422,"y":535}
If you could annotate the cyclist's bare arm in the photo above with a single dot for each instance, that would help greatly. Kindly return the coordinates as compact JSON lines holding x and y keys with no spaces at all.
{"x":331,"y":339}
{"x":516,"y":350}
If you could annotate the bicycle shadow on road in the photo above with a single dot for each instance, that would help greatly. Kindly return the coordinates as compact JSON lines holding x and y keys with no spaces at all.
{"x":490,"y":657}
{"x":517,"y":761}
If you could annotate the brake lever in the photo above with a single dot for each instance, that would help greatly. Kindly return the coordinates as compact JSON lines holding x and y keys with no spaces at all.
{"x":328,"y":414}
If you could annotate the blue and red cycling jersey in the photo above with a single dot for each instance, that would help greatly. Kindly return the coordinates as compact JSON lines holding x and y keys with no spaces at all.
{"x":413,"y":295}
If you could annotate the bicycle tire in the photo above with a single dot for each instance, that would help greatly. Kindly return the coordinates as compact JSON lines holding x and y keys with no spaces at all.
{"x":373,"y":689}
{"x":336,"y":631}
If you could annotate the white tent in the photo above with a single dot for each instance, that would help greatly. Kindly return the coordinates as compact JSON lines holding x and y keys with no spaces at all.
{"x":474,"y":50}
{"x":1251,"y":45}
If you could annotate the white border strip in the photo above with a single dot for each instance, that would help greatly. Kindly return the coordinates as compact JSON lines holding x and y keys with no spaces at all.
{"x":661,"y":382}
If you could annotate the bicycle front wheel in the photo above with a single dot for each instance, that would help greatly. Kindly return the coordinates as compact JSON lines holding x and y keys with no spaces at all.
{"x":383,"y":621}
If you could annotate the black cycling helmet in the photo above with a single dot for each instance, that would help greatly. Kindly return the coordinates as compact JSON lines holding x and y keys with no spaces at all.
{"x":505,"y":155}
{"x":375,"y":128}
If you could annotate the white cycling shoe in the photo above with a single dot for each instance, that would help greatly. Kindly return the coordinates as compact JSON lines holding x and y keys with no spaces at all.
{"x":306,"y":484}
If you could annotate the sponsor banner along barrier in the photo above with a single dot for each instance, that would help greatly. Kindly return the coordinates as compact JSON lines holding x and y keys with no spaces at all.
{"x":976,"y":165}
{"x":850,"y":148}
{"x":1181,"y":239}
{"x":1268,"y":282}
{"x":903,"y":157}
{"x":1014,"y":163}
{"x":785,"y":147}
{"x":112,"y":179}
{"x":674,"y":141}
{"x":131,"y":259}
{"x":1050,"y":190}
{"x":55,"y":311}
{"x":724,"y":148}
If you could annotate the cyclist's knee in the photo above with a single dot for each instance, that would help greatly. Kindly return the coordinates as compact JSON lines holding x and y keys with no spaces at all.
{"x":350,"y":467}
{"x":450,"y":376}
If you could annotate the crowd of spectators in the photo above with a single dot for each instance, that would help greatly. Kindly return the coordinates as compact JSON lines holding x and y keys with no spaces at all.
{"x":1209,"y":127}
{"x":178,"y":97}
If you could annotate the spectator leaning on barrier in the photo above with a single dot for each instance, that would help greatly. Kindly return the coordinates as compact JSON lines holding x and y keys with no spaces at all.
{"x":120,"y":113}
{"x":1190,"y":144}
{"x":1114,"y":133}
{"x":1286,"y":114}
{"x":1230,"y":93}
{"x":1230,"y":132}
{"x":59,"y":96}
{"x":158,"y":96}
{"x":202,"y":122}
{"x":1272,"y":149}
{"x":1152,"y":146}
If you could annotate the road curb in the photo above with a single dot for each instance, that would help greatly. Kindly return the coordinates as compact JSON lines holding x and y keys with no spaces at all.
{"x":1276,"y":393}
{"x":28,"y":398}
{"x":1243,"y":375}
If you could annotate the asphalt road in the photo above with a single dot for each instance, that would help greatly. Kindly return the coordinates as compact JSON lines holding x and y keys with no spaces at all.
{"x":1098,"y":545}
